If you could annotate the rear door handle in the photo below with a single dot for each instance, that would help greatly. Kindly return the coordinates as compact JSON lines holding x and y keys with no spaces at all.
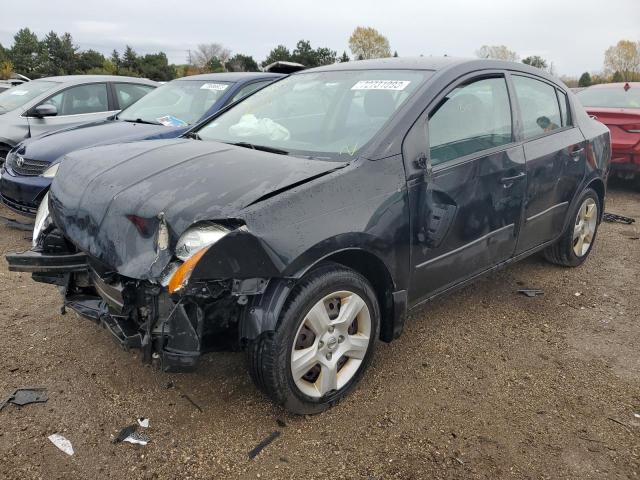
{"x":508,"y":181}
{"x":575,"y":155}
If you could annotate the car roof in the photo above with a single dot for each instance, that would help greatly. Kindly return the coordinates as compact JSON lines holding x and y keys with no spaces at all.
{"x":436,"y":64}
{"x":232,"y":76}
{"x":77,"y":79}
{"x":616,"y":85}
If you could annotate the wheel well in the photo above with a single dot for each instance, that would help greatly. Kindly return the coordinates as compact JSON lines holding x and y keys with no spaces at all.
{"x":598,"y":185}
{"x":376,"y":272}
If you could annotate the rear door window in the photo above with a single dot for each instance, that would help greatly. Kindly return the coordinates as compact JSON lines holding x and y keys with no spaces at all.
{"x":538,"y":106}
{"x":473,"y":117}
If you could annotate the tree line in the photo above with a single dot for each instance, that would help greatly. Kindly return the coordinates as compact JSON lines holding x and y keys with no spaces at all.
{"x":621,"y":63}
{"x":56,"y":54}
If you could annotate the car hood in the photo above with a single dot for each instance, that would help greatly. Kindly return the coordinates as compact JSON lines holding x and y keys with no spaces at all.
{"x":52,"y":145}
{"x":111,"y":201}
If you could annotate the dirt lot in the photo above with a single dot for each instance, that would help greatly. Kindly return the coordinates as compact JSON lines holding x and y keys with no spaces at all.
{"x":486,"y":383}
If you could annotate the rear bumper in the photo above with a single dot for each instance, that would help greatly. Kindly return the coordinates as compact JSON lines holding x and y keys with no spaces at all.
{"x":623,"y":162}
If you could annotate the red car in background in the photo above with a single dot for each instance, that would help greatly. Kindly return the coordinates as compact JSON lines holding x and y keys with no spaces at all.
{"x":617,"y":105}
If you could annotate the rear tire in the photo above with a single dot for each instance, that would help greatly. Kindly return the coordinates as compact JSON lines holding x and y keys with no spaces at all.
{"x":323,"y":343}
{"x":577,"y":241}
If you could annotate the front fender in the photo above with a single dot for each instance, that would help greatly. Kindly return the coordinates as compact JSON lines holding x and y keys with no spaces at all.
{"x":238,"y":255}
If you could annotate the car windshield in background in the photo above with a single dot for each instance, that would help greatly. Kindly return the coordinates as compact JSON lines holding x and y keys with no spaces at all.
{"x":19,"y":95}
{"x":329,"y":115}
{"x":176,"y":104}
{"x":610,"y":97}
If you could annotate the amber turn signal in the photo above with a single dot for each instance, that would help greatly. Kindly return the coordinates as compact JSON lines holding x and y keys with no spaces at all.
{"x":181,"y":277}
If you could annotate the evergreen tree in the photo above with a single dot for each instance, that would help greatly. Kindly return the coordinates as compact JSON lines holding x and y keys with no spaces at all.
{"x":585,"y":80}
{"x":26,"y":52}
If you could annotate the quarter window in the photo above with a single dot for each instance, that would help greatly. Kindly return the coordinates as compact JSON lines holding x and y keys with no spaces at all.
{"x":538,"y":106}
{"x":473,"y":117}
{"x":564,"y":108}
{"x":81,"y":99}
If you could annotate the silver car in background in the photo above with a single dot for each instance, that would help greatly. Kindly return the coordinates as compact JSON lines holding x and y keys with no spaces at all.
{"x":54,"y":103}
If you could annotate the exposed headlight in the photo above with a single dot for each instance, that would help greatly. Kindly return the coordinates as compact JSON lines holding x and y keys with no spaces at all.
{"x":191,"y":246}
{"x":51,"y":171}
{"x":198,"y":237}
{"x":42,"y":219}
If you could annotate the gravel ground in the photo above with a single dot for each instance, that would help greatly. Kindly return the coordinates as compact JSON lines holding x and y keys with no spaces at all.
{"x":485,"y":383}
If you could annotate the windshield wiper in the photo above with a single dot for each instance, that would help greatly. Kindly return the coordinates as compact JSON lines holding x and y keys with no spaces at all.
{"x":263,"y":148}
{"x":193,"y":136}
{"x":139,"y":120}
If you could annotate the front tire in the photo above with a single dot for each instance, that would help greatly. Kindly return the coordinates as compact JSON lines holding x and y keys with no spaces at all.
{"x":4,"y":151}
{"x":323,"y":343}
{"x":575,"y":244}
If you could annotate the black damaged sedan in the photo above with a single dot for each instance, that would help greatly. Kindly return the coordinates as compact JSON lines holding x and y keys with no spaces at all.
{"x":305,"y":222}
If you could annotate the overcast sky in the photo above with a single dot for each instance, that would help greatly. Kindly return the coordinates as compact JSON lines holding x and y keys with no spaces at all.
{"x":573,"y":34}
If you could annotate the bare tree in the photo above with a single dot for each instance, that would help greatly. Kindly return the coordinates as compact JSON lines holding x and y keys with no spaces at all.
{"x":497,"y":52}
{"x":206,"y":53}
{"x":624,"y":57}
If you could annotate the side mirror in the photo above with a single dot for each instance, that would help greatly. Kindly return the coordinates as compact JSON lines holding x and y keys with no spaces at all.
{"x":45,"y":110}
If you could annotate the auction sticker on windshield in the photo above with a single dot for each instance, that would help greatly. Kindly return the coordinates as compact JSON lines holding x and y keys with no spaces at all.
{"x":381,"y":85}
{"x":171,"y":121}
{"x":214,"y":86}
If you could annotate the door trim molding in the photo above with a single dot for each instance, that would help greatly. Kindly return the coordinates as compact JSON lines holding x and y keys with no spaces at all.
{"x":466,"y":245}
{"x":548,"y":210}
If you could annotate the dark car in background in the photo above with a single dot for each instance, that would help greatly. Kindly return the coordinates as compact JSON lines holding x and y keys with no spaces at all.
{"x":304,"y":223}
{"x":33,"y":108}
{"x":617,"y":105}
{"x":165,"y":113}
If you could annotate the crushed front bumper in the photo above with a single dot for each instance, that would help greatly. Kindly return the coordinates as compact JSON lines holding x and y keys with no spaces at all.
{"x":138,"y":314}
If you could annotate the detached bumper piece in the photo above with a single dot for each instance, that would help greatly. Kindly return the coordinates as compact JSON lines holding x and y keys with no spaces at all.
{"x":21,"y":208}
{"x":138,"y":314}
{"x":39,"y":262}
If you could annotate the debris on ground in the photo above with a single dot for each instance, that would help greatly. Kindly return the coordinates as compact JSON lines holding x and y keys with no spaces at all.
{"x":17,"y":224}
{"x":263,"y":444}
{"x":531,"y":292}
{"x":62,"y":443}
{"x":614,"y":218}
{"x":143,"y":422}
{"x":137,"y":438}
{"x":281,"y":423}
{"x":25,"y":396}
{"x":190,"y":400}
{"x":130,"y":433}
{"x":124,"y":433}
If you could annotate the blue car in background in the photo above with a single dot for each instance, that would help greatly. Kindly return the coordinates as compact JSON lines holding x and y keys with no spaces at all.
{"x":167,"y":112}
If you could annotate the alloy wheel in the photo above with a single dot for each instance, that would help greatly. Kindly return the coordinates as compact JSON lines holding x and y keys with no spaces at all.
{"x":585,"y":227}
{"x":331,"y":343}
